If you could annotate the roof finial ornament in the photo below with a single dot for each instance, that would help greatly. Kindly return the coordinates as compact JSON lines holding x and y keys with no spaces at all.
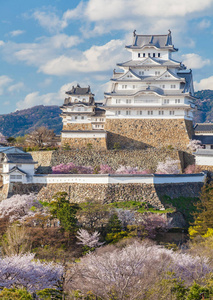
{"x":169,"y":31}
{"x":134,"y":32}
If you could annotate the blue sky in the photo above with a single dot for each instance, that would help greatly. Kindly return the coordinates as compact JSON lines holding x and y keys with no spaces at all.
{"x":48,"y":46}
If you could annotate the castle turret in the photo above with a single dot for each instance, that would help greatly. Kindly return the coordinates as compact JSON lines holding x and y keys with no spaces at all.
{"x":151,"y":100}
{"x":83,"y":121}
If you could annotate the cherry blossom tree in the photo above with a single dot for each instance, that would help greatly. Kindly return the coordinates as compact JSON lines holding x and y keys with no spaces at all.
{"x":21,"y":207}
{"x":131,"y":170}
{"x":190,"y":169}
{"x":170,"y":166}
{"x":23,"y":271}
{"x":106,"y":169}
{"x":2,"y":139}
{"x":152,"y":223}
{"x":194,"y":145}
{"x":128,"y":273}
{"x":87,"y":239}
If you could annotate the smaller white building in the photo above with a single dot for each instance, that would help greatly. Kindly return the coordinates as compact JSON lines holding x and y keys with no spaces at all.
{"x":204,"y":133}
{"x":204,"y":157}
{"x":16,"y":165}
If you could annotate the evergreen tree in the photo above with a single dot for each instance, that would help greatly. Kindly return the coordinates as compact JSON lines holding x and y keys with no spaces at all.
{"x":203,"y":217}
{"x":64,"y":211}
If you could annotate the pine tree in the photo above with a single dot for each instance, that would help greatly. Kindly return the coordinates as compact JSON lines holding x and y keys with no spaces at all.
{"x":203,"y":217}
{"x":64,"y":211}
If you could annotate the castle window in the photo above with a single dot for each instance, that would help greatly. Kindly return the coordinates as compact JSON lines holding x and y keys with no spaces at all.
{"x":177,"y":100}
{"x":149,"y":54}
{"x":150,"y":112}
{"x":171,"y":112}
{"x":161,"y":112}
{"x":76,"y":100}
{"x":157,"y":72}
{"x":128,"y":101}
{"x":153,"y":54}
{"x":173,"y":86}
{"x":84,"y":100}
{"x":118,"y":100}
{"x":117,"y":112}
{"x":139,"y":55}
{"x":144,"y":54}
{"x":82,"y":118}
{"x":158,"y":54}
{"x":76,"y":117}
{"x":134,"y":86}
{"x":139,"y":112}
{"x":166,"y":101}
{"x":128,"y":112}
{"x":124,"y":86}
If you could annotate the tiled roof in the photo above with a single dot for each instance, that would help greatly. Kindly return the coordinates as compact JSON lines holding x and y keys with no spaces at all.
{"x":205,"y":139}
{"x":20,"y":158}
{"x":139,"y":63}
{"x":204,"y":127}
{"x":79,"y":91}
{"x":158,"y":41}
{"x":204,"y":152}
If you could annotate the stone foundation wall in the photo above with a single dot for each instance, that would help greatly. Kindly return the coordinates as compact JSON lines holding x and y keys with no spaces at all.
{"x":79,"y":143}
{"x":78,"y":126}
{"x":143,"y":159}
{"x":108,"y":193}
{"x":141,"y":133}
{"x":43,"y":158}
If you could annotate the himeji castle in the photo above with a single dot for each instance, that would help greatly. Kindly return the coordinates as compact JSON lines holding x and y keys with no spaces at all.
{"x":150,"y":102}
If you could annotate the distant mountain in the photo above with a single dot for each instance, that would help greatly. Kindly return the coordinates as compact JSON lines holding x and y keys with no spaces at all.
{"x":205,"y":106}
{"x":24,"y":121}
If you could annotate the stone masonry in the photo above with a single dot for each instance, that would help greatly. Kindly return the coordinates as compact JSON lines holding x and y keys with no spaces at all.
{"x":80,"y":143}
{"x":142,"y":133}
{"x":104,"y":193}
{"x":143,"y":159}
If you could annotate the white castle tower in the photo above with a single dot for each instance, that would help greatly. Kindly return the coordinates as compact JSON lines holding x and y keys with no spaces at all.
{"x":83,"y":121}
{"x":151,"y":100}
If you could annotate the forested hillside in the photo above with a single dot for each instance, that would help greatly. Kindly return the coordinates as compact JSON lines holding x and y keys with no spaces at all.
{"x":24,"y":121}
{"x":205,"y":106}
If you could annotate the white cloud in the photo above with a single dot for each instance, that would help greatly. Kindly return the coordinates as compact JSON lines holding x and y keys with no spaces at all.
{"x":97,"y":58}
{"x":71,"y":14}
{"x":38,"y":53}
{"x":204,"y":24}
{"x":2,"y":43}
{"x":49,"y":20}
{"x":194,"y":61}
{"x":4,"y":82}
{"x":16,"y":32}
{"x":204,"y":84}
{"x":35,"y":98}
{"x":15,"y":88}
{"x":107,"y":10}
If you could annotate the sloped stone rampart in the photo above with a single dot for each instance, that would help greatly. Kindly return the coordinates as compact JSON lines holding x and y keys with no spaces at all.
{"x":107,"y":193}
{"x":75,"y":143}
{"x":143,"y":159}
{"x":141,"y":133}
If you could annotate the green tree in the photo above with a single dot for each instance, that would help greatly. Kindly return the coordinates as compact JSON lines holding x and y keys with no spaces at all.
{"x":15,"y":294}
{"x":203,"y":217}
{"x":64,"y":211}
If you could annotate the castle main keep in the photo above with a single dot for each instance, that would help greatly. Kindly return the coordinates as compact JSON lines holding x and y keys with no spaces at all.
{"x":150,"y":102}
